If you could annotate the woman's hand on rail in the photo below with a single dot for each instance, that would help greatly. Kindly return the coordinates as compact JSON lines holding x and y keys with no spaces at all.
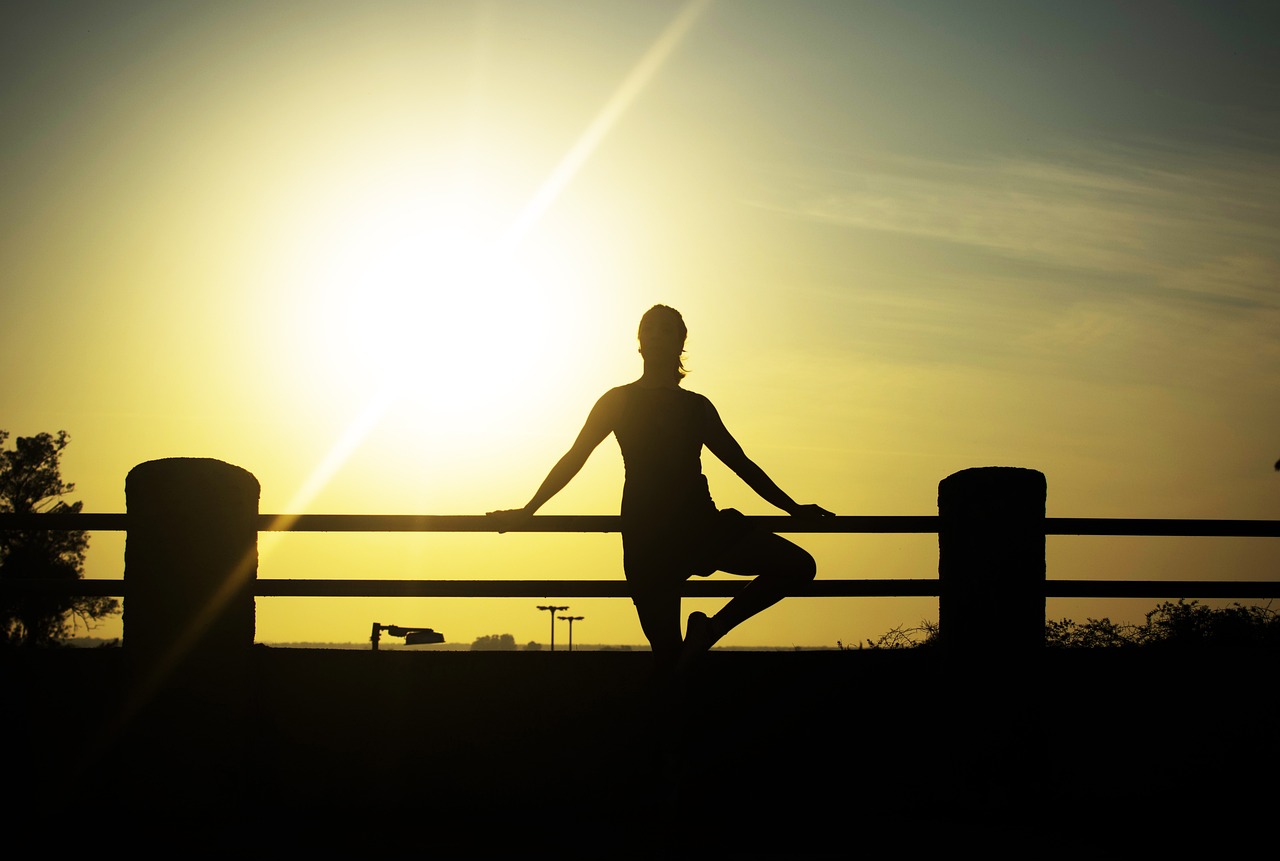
{"x":509,"y":518}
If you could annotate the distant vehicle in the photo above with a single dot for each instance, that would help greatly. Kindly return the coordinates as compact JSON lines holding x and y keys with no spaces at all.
{"x":412,"y":636}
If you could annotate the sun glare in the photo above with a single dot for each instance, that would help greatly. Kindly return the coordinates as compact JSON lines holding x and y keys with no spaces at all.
{"x":411,"y":320}
{"x":413,"y":291}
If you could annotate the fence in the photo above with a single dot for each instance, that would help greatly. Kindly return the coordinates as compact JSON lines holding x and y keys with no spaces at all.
{"x":192,"y":524}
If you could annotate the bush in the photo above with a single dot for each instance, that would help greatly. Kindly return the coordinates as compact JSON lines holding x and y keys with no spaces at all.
{"x":901,"y":637}
{"x":1172,"y":624}
{"x":1180,"y":623}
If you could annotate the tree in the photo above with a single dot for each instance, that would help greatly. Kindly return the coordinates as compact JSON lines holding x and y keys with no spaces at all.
{"x":31,"y":483}
{"x":494,"y":643}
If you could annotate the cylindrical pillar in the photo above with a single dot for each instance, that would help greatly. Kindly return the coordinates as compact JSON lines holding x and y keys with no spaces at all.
{"x":991,"y":564}
{"x":991,"y":603}
{"x":191,"y":559}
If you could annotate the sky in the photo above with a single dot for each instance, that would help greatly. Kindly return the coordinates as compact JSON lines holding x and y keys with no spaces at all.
{"x":385,"y":256}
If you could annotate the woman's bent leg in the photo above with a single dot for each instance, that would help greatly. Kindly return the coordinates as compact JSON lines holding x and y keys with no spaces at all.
{"x":779,"y":567}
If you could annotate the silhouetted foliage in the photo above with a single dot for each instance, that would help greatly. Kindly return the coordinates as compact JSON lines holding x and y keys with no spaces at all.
{"x":494,"y":643}
{"x":533,"y":646}
{"x":31,"y":483}
{"x":1093,"y":634}
{"x":902,"y":637}
{"x":1173,"y":624}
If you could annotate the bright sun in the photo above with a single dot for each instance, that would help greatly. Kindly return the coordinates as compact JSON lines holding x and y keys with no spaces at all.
{"x":415,"y":314}
{"x":419,"y":293}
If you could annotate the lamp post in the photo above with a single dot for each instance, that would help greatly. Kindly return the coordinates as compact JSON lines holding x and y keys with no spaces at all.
{"x":570,"y":620}
{"x":553,"y":611}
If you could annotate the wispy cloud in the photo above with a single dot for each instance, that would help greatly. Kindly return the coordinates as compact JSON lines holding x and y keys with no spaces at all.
{"x":1196,"y":226}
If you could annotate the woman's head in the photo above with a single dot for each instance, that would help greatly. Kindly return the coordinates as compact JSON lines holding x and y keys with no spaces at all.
{"x":662,"y":333}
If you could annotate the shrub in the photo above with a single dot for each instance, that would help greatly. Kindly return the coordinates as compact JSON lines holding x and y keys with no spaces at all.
{"x":1180,"y":623}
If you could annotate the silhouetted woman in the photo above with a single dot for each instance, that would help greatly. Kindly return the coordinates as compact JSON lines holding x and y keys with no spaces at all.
{"x":671,"y":529}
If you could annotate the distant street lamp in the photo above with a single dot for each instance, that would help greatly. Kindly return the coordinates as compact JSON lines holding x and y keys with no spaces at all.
{"x":570,"y":620}
{"x":553,"y":611}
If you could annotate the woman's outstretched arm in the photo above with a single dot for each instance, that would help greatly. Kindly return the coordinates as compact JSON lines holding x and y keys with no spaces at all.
{"x":722,"y":444}
{"x":599,"y":424}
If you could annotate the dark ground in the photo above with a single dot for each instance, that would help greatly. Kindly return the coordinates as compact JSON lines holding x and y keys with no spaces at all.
{"x":762,"y":754}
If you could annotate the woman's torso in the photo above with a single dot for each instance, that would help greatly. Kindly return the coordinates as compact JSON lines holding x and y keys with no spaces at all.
{"x":661,"y":433}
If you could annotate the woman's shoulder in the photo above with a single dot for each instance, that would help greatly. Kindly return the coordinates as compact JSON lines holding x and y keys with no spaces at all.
{"x":616,"y":393}
{"x":695,"y":397}
{"x":695,"y":403}
{"x":614,"y":398}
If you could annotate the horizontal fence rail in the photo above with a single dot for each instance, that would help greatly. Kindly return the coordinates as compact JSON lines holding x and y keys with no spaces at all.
{"x":712,"y":588}
{"x":903,"y":588}
{"x":847,"y":524}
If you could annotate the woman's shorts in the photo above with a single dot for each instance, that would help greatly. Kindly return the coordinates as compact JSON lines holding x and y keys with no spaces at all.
{"x":660,"y":560}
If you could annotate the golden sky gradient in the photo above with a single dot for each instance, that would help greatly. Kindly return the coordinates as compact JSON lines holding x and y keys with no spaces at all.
{"x":385,"y":256}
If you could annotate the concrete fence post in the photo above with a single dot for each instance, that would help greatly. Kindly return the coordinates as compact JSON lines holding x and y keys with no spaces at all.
{"x":191,"y":559}
{"x":190,"y":562}
{"x":991,"y":566}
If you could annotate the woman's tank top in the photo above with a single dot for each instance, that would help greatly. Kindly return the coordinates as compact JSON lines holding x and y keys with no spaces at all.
{"x":660,"y":432}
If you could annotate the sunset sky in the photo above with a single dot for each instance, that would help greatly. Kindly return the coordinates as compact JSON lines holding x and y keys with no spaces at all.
{"x":386,"y":255}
